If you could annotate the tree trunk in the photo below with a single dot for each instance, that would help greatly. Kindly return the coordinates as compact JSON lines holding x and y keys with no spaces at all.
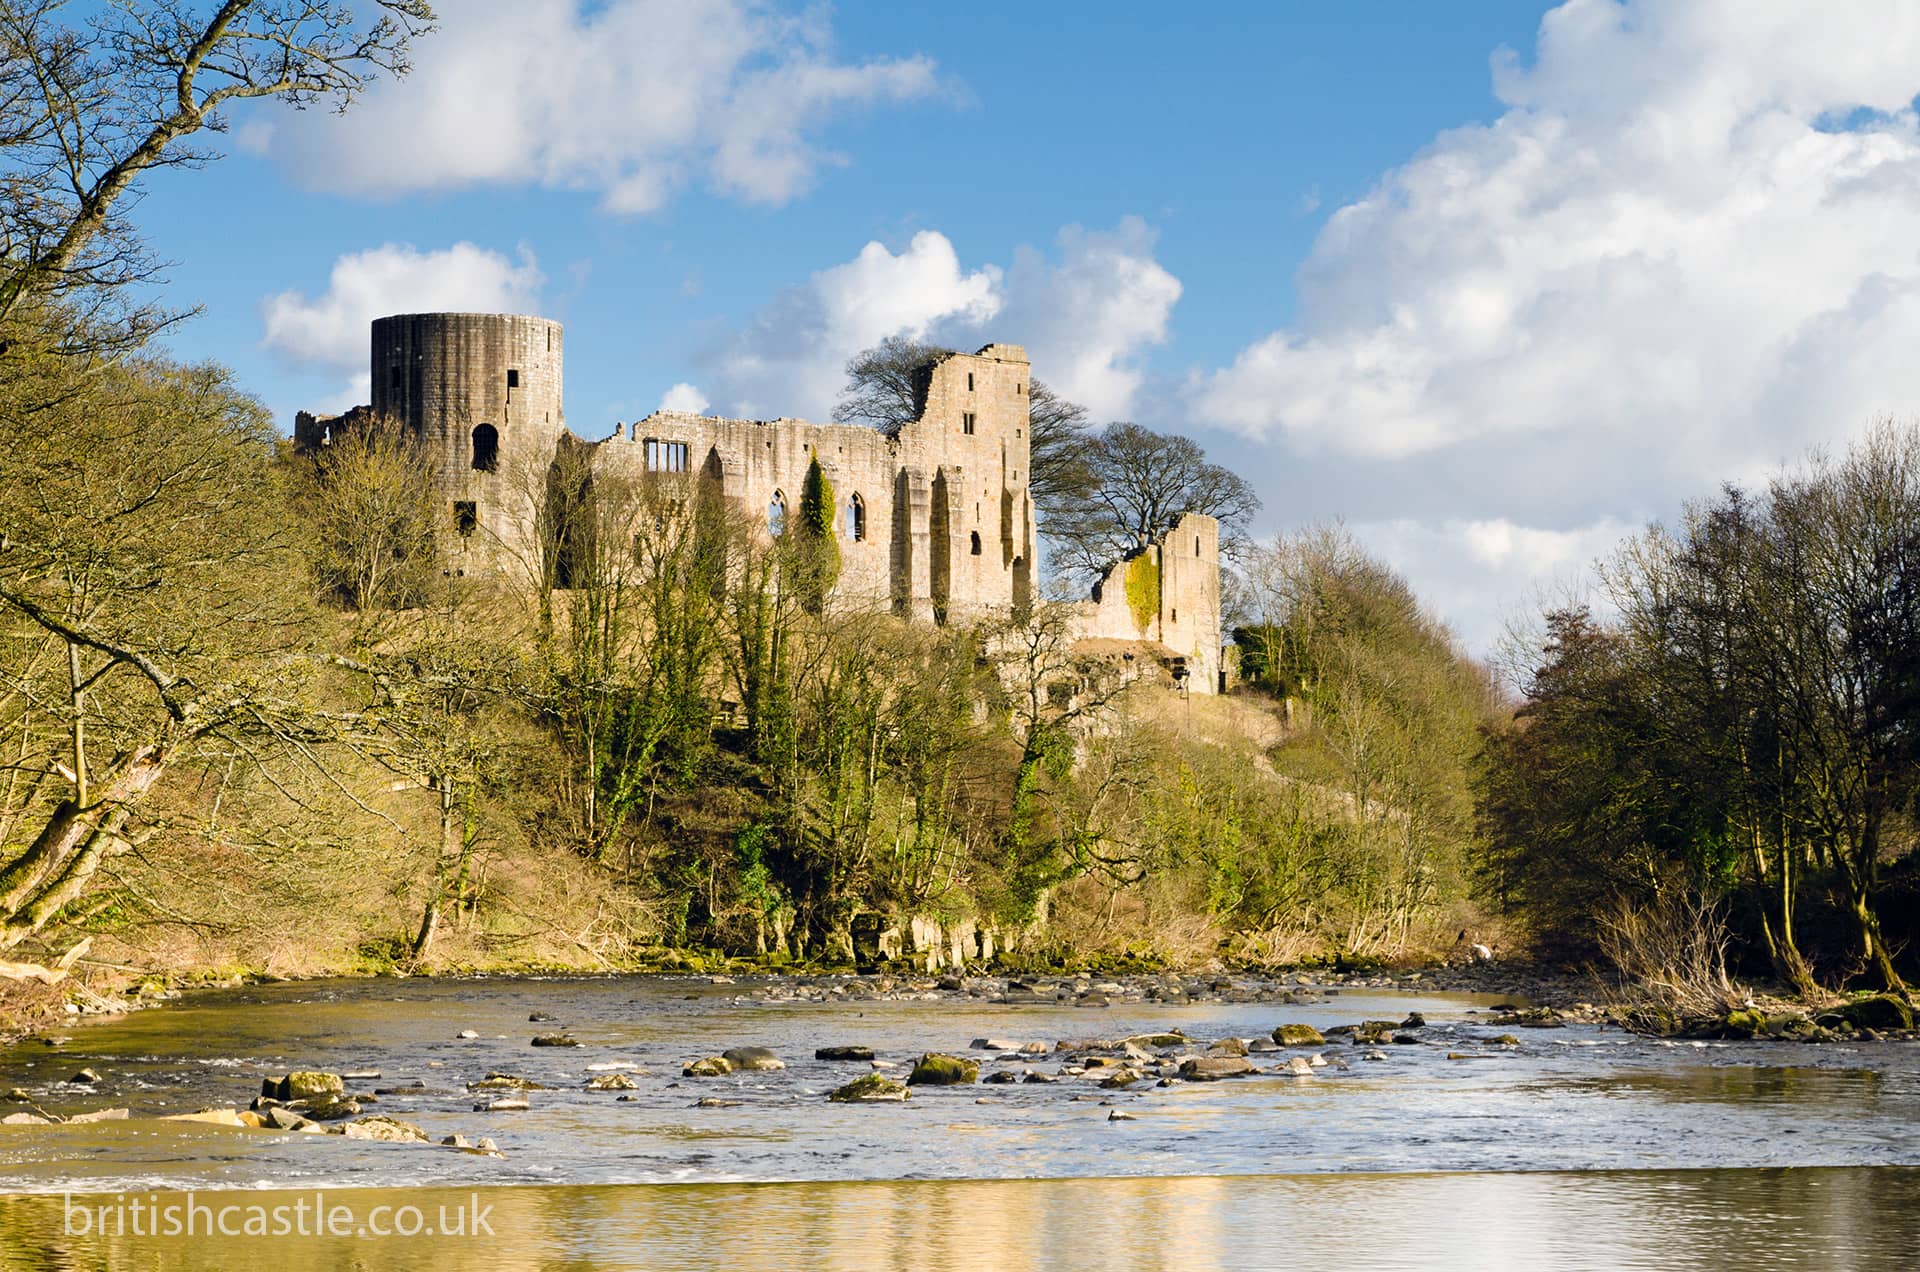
{"x":447,"y":852}
{"x":69,"y":849}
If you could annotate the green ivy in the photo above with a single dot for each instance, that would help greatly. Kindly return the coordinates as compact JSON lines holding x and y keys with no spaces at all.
{"x":1143,"y":589}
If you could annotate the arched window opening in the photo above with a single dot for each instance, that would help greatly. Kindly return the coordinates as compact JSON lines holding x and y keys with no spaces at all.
{"x":856,"y":519}
{"x":486,"y":448}
{"x":777,"y":515}
{"x":976,"y":543}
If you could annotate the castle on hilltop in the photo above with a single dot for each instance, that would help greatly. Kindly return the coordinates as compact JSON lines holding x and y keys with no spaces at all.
{"x":935,"y":522}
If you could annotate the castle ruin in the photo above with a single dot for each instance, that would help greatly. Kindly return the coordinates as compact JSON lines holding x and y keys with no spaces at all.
{"x":935,"y":522}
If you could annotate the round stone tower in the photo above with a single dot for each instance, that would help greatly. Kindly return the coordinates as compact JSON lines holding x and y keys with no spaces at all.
{"x":480,"y":393}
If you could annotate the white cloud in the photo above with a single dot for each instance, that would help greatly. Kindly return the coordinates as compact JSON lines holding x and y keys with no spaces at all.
{"x":1084,"y":318}
{"x":1474,"y":572}
{"x":1683,"y":253}
{"x":633,"y":99}
{"x":331,"y":329}
{"x":790,"y":360}
{"x":1663,"y":240}
{"x":684,"y":397}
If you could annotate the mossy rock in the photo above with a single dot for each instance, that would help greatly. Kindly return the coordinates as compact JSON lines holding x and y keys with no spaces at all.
{"x":1298,"y":1036}
{"x":303,"y":1084}
{"x":874,"y":1088}
{"x":711,"y":1067}
{"x":936,"y":1069}
{"x":1878,"y":1011}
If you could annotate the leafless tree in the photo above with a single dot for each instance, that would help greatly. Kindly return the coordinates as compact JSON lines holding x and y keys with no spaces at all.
{"x":1138,"y":483}
{"x":95,"y":96}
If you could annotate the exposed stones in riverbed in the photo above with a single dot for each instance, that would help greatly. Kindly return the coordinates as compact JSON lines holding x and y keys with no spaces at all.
{"x":1103,"y":1071}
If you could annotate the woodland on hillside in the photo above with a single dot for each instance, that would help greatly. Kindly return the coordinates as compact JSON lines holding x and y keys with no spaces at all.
{"x":248,"y":719}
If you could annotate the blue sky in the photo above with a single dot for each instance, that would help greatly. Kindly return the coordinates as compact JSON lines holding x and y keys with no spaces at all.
{"x":1493,"y":283}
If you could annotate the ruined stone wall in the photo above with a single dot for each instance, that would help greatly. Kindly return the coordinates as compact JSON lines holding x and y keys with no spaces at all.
{"x":944,"y":529}
{"x":1166,"y":594}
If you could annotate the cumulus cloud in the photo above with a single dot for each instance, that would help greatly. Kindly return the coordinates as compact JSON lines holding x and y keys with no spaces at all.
{"x":1088,"y":316}
{"x":1480,"y":573}
{"x":1685,"y":211}
{"x":684,"y":397}
{"x":1085,"y":316}
{"x":789,"y":360}
{"x":330,"y":330}
{"x":633,"y":99}
{"x":1683,"y":252}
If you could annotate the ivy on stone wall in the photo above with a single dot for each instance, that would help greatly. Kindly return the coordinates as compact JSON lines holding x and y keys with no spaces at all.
{"x":1143,"y":589}
{"x":821,"y":545}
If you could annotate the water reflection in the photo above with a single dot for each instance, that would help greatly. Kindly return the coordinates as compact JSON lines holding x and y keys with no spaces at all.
{"x":1805,"y":1087}
{"x":1840,"y":1218}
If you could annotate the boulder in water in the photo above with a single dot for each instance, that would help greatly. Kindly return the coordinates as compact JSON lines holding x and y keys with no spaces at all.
{"x":303,"y":1084}
{"x":1298,"y":1036}
{"x":389,"y":1130}
{"x":937,"y":1069}
{"x":871,"y":1089}
{"x":1214,"y":1068}
{"x":843,"y":1053}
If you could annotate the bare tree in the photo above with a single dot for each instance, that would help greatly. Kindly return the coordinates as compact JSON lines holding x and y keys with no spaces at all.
{"x":1138,"y":484}
{"x":149,"y":591}
{"x":883,"y":387}
{"x":882,"y":383}
{"x":88,"y":107}
{"x":370,"y":500}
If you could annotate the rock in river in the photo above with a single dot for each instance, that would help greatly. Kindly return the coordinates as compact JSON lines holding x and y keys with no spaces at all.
{"x":303,"y":1084}
{"x":750,"y":1058}
{"x":871,"y":1089}
{"x":1298,"y":1036}
{"x":390,"y":1130}
{"x":936,"y":1069}
{"x":711,"y":1067}
{"x":555,"y":1040}
{"x":611,"y":1082}
{"x":1213,"y":1068}
{"x":505,"y":1082}
{"x":843,"y":1053}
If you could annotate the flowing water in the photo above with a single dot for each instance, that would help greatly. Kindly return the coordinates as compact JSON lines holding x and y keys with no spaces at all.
{"x":1582,"y":1147}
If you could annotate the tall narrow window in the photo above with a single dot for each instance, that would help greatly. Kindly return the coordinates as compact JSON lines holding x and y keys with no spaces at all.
{"x":394,"y":381}
{"x":777,"y":515}
{"x":969,"y":381}
{"x":966,"y":423}
{"x":466,"y":517}
{"x":513,"y":377}
{"x":976,"y":543}
{"x":665,"y":457}
{"x":486,"y":448}
{"x":856,"y":519}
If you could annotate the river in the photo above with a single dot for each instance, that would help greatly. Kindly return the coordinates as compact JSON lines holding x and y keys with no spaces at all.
{"x":1580,"y":1147}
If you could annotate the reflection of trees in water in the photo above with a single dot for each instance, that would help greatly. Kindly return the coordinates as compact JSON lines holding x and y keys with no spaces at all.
{"x":1851,"y":1217}
{"x":1743,"y":1084}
